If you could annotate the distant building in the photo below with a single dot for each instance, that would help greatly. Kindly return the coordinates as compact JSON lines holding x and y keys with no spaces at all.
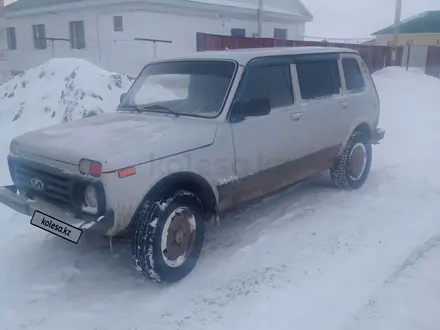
{"x":104,"y":31}
{"x":422,"y":29}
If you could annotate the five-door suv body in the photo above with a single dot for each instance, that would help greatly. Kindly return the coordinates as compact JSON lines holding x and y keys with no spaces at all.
{"x":194,"y":136}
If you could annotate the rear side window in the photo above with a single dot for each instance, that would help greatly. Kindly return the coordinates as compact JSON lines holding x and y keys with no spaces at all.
{"x":353,"y":75}
{"x":318,"y":79}
{"x":273,"y":82}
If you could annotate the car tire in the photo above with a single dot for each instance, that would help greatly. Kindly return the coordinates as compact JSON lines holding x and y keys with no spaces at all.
{"x":351,"y":170}
{"x":169,"y":237}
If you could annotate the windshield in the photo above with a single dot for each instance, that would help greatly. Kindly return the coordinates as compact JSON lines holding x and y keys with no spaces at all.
{"x":195,"y":88}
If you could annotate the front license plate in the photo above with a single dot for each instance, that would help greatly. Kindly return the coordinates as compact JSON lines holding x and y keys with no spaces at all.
{"x":56,"y":227}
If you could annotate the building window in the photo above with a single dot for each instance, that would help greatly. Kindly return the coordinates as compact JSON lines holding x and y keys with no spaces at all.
{"x":238,"y":32}
{"x":77,"y":35}
{"x":10,"y":35}
{"x":318,"y":79}
{"x":280,"y":33}
{"x":39,"y":32}
{"x":118,"y":25}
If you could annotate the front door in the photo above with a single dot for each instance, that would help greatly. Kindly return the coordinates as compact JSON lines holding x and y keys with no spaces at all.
{"x":267,"y":147}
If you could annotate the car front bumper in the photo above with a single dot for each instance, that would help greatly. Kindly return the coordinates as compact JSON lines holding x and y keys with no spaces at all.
{"x":377,"y":135}
{"x":10,"y":197}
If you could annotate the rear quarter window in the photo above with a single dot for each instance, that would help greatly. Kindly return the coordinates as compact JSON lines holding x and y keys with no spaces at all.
{"x":353,"y":75}
{"x":318,"y":79}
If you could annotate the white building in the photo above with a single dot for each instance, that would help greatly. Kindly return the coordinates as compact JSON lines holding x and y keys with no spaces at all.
{"x":104,"y":31}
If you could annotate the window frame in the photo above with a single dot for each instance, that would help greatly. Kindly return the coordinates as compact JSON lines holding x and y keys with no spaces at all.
{"x":75,"y":42}
{"x":280,"y":29}
{"x":8,"y":38}
{"x":226,"y":102}
{"x":362,"y":69}
{"x":115,"y":25}
{"x":336,"y":57}
{"x":256,"y":66}
{"x":35,"y":28}
{"x":238,"y":29}
{"x":262,"y":61}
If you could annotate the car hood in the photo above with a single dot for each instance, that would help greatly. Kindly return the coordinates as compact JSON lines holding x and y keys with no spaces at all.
{"x":119,"y":140}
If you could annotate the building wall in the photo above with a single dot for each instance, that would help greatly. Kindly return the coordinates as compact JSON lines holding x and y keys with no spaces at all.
{"x":118,"y":51}
{"x":415,"y":39}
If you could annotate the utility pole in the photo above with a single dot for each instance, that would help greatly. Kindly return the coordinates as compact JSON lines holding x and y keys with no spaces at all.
{"x":397,"y":15}
{"x":260,"y":18}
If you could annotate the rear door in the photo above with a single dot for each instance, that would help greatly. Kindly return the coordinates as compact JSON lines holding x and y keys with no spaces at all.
{"x":361,"y":98}
{"x":324,"y":106}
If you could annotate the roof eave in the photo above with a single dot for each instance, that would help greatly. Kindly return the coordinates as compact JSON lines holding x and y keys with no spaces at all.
{"x":93,"y":3}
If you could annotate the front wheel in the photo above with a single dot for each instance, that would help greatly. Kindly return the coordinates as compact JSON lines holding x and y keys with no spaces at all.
{"x":169,"y":237}
{"x":351,"y":170}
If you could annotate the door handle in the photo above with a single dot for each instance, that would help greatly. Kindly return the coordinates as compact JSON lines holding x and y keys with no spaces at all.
{"x":344,"y":105}
{"x":296,"y":116}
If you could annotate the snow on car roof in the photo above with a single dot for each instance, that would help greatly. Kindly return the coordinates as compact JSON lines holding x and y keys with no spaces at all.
{"x":245,"y":55}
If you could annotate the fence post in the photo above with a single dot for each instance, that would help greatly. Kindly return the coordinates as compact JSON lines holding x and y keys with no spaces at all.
{"x":408,"y":57}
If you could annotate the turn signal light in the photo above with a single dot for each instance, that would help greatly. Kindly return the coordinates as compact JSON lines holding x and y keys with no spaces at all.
{"x":129,"y":171}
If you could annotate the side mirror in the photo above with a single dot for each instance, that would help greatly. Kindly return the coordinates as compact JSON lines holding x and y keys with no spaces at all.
{"x":122,"y":97}
{"x":252,"y":108}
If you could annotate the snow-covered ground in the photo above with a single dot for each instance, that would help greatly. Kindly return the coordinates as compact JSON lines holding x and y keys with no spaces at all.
{"x":311,"y":257}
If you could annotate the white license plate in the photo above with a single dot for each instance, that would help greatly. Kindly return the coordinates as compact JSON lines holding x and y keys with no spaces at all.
{"x":56,"y":227}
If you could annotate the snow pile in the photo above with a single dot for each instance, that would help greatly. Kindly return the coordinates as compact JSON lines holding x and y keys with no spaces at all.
{"x":59,"y":91}
{"x":56,"y":92}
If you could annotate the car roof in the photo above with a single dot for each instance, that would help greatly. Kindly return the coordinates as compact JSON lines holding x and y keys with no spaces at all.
{"x":245,"y":55}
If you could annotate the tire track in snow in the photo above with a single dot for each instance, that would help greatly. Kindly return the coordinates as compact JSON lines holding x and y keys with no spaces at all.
{"x":370,"y":308}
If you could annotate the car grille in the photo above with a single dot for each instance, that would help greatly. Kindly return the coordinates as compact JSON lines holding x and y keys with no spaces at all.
{"x":42,"y":182}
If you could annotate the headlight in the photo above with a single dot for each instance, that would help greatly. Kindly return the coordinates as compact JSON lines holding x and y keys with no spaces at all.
{"x":90,"y":167}
{"x":90,"y":200}
{"x":14,"y":148}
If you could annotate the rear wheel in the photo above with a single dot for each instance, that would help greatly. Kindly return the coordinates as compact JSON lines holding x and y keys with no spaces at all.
{"x":169,"y":237}
{"x":351,"y":170}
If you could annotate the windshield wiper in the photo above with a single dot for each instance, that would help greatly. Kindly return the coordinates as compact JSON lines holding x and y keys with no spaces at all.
{"x":157,"y":107}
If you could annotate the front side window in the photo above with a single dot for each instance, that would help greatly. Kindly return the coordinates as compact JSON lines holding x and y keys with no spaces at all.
{"x":272,"y":82}
{"x":39,"y":34}
{"x":353,"y":75}
{"x":77,"y":35}
{"x":194,"y":88}
{"x":318,"y":79}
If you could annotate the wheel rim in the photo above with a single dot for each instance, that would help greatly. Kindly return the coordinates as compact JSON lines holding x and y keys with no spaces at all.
{"x":357,"y":161}
{"x":178,"y":237}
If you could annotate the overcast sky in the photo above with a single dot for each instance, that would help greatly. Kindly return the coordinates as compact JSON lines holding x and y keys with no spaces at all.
{"x":358,"y":18}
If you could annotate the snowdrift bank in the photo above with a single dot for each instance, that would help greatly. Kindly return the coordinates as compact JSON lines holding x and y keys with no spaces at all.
{"x":56,"y":92}
{"x":59,"y":91}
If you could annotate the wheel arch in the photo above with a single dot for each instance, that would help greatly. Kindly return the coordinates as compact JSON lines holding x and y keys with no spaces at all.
{"x":362,"y":127}
{"x":195,"y":183}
